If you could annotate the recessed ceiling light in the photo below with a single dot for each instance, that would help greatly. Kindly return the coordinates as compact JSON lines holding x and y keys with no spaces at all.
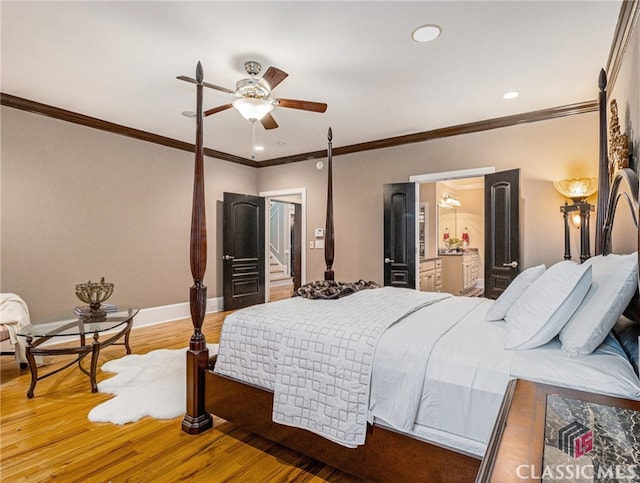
{"x":510,"y":95}
{"x":426,"y":33}
{"x":258,"y":148}
{"x":188,"y":114}
{"x":281,"y":143}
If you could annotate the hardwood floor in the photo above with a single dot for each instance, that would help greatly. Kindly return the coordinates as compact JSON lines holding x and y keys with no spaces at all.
{"x":50,"y":437}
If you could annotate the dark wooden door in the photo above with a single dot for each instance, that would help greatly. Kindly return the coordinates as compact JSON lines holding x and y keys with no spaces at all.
{"x":243,"y":247}
{"x":501,"y":230}
{"x":400,"y":235}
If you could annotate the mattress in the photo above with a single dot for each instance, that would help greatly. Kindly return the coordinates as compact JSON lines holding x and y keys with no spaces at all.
{"x":468,"y":371}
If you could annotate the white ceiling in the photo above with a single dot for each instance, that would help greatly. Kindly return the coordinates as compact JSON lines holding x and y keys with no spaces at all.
{"x":118,"y":61}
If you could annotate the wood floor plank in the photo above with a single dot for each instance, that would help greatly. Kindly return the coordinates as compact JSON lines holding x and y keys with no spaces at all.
{"x":50,"y":438}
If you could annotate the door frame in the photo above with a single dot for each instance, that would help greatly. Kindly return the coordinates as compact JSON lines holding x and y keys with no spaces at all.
{"x":268,"y":196}
{"x":419,"y":179}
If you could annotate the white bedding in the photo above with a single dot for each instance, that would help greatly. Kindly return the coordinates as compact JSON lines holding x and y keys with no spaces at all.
{"x":402,"y":359}
{"x":322,"y":355}
{"x":469,"y":369}
{"x":455,"y":359}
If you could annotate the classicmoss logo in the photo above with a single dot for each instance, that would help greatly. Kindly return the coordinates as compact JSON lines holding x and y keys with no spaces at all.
{"x":575,"y":439}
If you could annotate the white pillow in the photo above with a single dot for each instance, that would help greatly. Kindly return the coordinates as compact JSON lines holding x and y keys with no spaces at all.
{"x":513,"y":292}
{"x":614,"y":281}
{"x":547,"y":304}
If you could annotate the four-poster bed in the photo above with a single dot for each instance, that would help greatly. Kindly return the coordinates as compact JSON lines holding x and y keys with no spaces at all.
{"x":388,"y":454}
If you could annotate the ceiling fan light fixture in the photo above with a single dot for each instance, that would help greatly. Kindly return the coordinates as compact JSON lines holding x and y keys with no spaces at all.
{"x":252,"y":109}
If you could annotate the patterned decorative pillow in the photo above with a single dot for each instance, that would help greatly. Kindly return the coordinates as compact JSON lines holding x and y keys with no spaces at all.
{"x":330,"y":289}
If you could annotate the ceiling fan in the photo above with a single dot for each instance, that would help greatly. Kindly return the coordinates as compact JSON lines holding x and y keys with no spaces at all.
{"x":253,"y":96}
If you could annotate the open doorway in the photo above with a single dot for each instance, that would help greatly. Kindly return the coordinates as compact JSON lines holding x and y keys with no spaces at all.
{"x":501,"y":221}
{"x":285,"y":241}
{"x":451,"y":231}
{"x":281,"y":248}
{"x":458,"y":234}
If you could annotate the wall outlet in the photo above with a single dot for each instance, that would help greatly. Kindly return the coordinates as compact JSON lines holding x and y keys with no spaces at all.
{"x":319,"y":232}
{"x":319,"y":243}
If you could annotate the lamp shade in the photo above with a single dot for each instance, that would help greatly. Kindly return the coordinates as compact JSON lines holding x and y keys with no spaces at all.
{"x":578,"y":189}
{"x":251,"y":108}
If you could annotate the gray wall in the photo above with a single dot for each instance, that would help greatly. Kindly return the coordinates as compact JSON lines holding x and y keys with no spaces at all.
{"x":78,"y":204}
{"x":544,"y":151}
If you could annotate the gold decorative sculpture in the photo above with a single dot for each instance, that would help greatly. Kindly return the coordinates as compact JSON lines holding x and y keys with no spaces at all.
{"x":94,"y":293}
{"x":618,"y":144}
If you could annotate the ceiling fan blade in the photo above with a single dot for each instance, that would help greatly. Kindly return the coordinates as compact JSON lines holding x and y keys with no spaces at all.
{"x":206,"y":84}
{"x":303,"y":105}
{"x":268,"y":122}
{"x":218,"y":88}
{"x":273,"y":76}
{"x":217,"y":109}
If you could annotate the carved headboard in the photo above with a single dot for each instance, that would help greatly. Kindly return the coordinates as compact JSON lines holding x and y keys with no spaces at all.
{"x":617,"y":229}
{"x":620,"y":234}
{"x":618,"y":214}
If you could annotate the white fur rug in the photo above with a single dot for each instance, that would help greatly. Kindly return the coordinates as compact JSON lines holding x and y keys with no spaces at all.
{"x":152,"y":384}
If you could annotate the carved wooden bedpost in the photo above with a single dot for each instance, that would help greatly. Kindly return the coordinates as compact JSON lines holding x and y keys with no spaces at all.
{"x":196,"y":418}
{"x":603,"y":168}
{"x":328,"y":230}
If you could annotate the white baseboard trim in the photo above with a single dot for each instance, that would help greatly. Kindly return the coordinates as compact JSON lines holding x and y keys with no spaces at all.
{"x":169,"y":313}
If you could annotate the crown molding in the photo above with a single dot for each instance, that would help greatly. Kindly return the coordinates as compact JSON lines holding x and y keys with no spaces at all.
{"x":93,"y":122}
{"x":472,"y":127}
{"x":627,"y":23}
{"x":468,"y":128}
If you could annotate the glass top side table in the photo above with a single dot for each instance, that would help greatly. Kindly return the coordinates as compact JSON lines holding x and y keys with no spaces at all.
{"x":92,"y":335}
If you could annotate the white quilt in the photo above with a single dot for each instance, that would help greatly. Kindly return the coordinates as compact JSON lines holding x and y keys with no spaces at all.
{"x":316,"y":355}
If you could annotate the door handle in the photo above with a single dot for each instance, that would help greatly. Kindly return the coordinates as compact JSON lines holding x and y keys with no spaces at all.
{"x":513,"y":264}
{"x":388,"y":260}
{"x":228,"y":257}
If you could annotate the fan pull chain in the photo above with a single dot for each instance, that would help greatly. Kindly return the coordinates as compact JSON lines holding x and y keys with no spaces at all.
{"x":253,"y":139}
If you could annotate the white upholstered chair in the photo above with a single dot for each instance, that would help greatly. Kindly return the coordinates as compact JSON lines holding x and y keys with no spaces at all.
{"x":14,"y":314}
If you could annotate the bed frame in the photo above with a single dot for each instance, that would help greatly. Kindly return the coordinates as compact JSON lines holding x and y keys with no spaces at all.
{"x":387,"y":455}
